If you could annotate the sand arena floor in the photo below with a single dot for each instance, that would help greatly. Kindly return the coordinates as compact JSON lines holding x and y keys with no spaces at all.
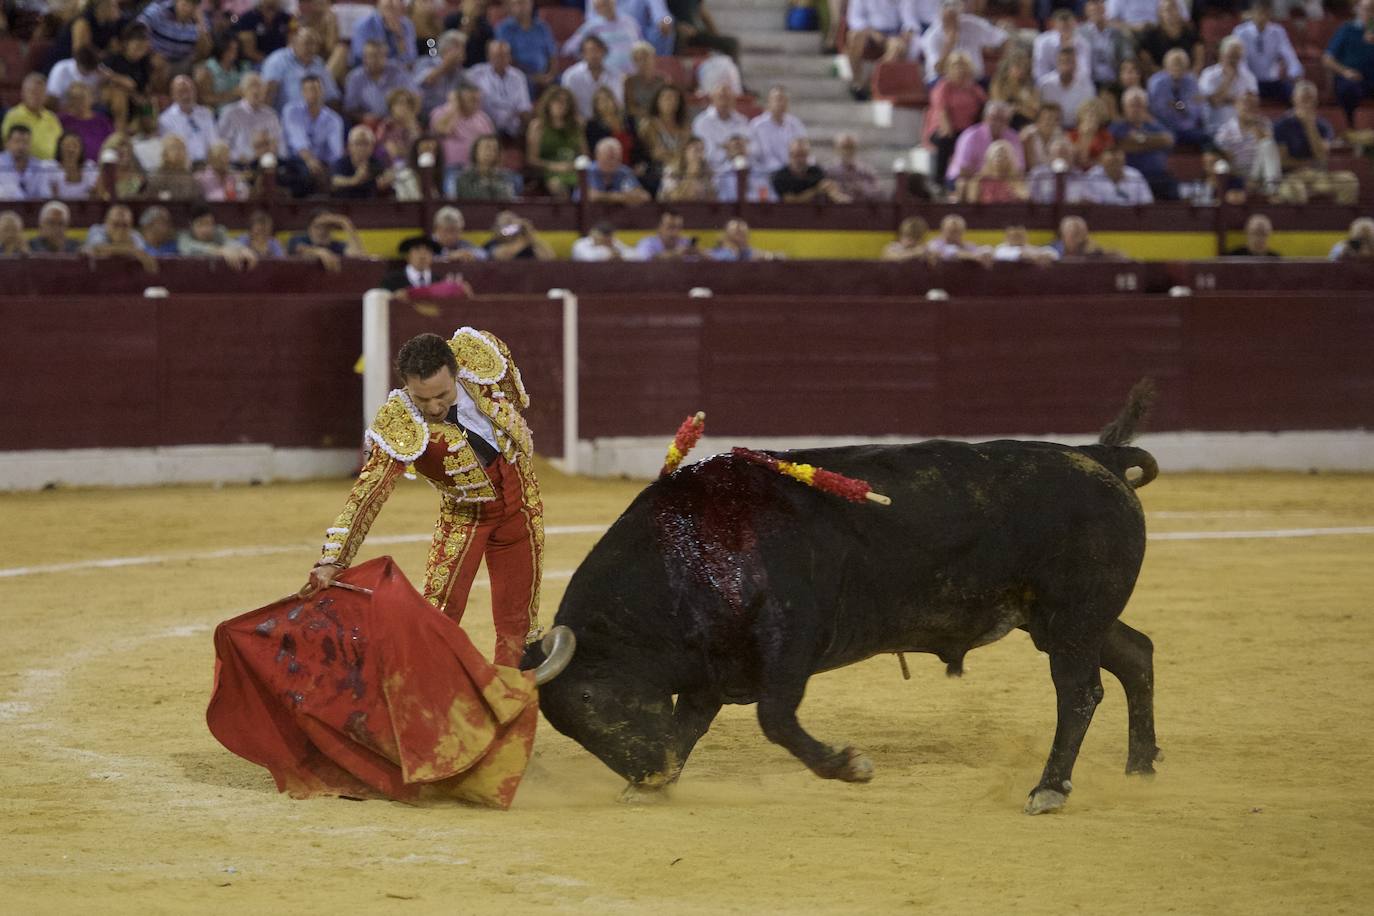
{"x":117,"y":799}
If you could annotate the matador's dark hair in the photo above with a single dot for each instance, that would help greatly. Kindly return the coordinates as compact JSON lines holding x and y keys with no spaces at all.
{"x":424,"y":355}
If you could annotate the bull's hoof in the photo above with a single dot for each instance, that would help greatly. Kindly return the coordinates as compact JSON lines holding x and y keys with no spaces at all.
{"x":857,"y":766}
{"x":1144,"y":764}
{"x":1046,"y":800}
{"x":641,"y":794}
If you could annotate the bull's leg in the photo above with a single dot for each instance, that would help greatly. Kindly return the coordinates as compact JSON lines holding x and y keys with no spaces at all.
{"x":1128,"y":654}
{"x":692,"y":716}
{"x":778,"y":718}
{"x":1078,"y":688}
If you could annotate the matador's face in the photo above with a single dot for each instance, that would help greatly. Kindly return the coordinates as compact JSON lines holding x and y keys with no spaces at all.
{"x":433,"y":396}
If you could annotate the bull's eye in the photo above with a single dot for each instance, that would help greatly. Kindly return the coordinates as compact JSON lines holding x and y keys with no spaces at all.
{"x":586,"y":696}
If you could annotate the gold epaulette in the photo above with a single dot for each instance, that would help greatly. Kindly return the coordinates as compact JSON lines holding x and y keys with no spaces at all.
{"x":398,"y":428}
{"x":484,"y":359}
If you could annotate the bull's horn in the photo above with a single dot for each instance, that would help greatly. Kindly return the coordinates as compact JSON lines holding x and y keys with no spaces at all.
{"x":558,"y":648}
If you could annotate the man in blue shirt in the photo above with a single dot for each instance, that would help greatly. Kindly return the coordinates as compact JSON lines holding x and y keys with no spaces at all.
{"x":287,"y":68}
{"x":389,"y":25}
{"x":1176,"y":101}
{"x":1350,"y":56}
{"x":366,"y":89}
{"x":1146,"y":143}
{"x":609,"y":180}
{"x":313,"y":136}
{"x":531,"y":44}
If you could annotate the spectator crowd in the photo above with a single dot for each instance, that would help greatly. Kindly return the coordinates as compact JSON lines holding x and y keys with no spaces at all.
{"x":178,"y":100}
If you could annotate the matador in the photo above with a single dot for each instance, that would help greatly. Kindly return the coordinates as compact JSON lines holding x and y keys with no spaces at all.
{"x":456,"y":421}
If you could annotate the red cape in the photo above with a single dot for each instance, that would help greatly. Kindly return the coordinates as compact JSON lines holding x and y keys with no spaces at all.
{"x":378,"y":695}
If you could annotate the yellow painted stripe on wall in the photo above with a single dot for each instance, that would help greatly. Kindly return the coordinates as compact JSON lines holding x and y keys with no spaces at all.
{"x":803,"y":244}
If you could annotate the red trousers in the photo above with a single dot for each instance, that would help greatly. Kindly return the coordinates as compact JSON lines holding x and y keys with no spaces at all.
{"x":509,"y":533}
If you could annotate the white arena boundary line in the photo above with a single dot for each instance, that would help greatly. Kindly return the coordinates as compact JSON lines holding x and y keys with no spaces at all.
{"x":556,"y":575}
{"x":230,"y":553}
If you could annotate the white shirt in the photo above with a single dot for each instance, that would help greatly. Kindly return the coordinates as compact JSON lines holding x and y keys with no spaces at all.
{"x":1137,"y":12}
{"x":1264,"y":52}
{"x":1006,"y":252}
{"x":1131,"y":190}
{"x":587,"y":249}
{"x":975,"y":34}
{"x":880,"y":15}
{"x":917,"y":15}
{"x":578,"y":80}
{"x":33,"y":183}
{"x":64,"y":73}
{"x":240,"y":122}
{"x":472,"y":418}
{"x":1045,"y":51}
{"x":1105,"y":45}
{"x":1069,"y":97}
{"x":768,"y":140}
{"x":715,"y":130}
{"x":716,"y":69}
{"x":197,"y":128}
{"x":504,"y":97}
{"x":619,"y":36}
{"x":1210,"y":82}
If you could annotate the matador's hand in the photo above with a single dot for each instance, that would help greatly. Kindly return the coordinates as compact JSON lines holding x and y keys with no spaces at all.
{"x":320,"y":577}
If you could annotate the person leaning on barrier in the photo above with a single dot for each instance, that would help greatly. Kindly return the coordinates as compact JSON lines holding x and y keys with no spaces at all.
{"x":1016,"y":246}
{"x":1258,"y":229}
{"x":950,"y":245}
{"x":1075,"y":242}
{"x":318,"y":242}
{"x":447,"y":230}
{"x":1358,"y":245}
{"x":600,"y":244}
{"x":12,"y":234}
{"x":514,"y":238}
{"x":734,"y":245}
{"x":204,"y":237}
{"x":910,"y":242}
{"x":53,"y":221}
{"x":116,"y":238}
{"x":667,"y":243}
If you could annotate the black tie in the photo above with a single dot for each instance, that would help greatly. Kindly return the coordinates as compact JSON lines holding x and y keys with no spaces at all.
{"x":485,"y":453}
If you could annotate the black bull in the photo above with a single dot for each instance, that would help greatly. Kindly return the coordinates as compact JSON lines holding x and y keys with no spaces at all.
{"x":729,"y":583}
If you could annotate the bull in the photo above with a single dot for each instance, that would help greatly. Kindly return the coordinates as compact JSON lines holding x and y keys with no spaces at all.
{"x":725,"y":582}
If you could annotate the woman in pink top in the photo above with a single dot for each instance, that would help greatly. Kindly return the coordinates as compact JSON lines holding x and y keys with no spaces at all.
{"x":458,"y":123}
{"x":954,"y":105}
{"x":999,"y":181}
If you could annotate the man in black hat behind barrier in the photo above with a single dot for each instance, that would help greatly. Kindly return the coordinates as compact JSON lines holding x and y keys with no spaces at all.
{"x":418,"y":273}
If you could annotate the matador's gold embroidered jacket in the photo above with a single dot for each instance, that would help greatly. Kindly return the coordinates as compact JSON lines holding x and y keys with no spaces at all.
{"x":440,"y":452}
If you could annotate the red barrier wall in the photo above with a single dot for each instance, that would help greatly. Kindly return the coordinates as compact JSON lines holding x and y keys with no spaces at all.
{"x":124,"y":371}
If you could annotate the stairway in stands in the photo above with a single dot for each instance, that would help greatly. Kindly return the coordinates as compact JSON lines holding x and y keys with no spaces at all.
{"x":770,"y":54}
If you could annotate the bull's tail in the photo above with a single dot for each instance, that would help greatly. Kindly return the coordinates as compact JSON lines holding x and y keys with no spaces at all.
{"x":1138,"y":403}
{"x":1113,"y":450}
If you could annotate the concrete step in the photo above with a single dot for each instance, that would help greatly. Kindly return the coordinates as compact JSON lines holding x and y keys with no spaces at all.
{"x":807,"y":88}
{"x":750,"y":19}
{"x":780,"y":67}
{"x":779,"y":42}
{"x":722,"y":5}
{"x":824,"y":134}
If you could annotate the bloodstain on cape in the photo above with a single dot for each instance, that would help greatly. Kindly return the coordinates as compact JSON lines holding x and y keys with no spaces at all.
{"x":369,"y":696}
